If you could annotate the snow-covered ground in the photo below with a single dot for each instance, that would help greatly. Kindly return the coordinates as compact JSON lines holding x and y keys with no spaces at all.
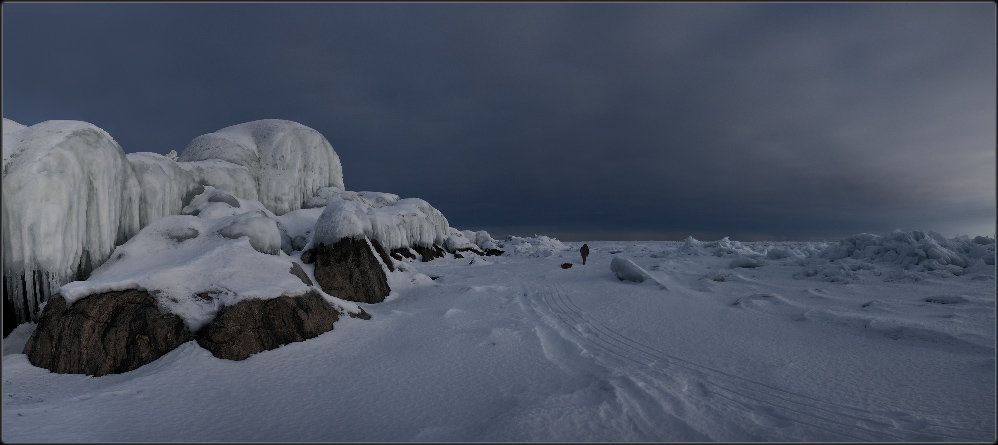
{"x":728,"y":342}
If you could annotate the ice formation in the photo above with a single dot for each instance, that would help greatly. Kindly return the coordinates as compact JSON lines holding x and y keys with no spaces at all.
{"x":69,"y":196}
{"x":392,"y":222}
{"x":535,"y":246}
{"x":223,"y":175}
{"x":288,"y":161}
{"x":165,"y":186}
{"x":929,"y":251}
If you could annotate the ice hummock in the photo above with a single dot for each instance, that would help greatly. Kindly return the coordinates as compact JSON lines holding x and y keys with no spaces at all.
{"x":288,"y":161}
{"x":69,"y":196}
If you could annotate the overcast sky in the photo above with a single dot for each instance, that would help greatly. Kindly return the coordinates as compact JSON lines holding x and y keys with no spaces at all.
{"x":582,"y":121}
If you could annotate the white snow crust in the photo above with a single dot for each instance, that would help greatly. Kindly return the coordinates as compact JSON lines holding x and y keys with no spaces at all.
{"x":288,"y":161}
{"x":69,"y":196}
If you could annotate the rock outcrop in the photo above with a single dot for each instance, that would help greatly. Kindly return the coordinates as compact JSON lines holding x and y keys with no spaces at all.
{"x":349,"y":270}
{"x":252,"y":326}
{"x":107,"y":333}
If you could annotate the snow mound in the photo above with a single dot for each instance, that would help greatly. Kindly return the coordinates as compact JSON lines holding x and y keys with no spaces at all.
{"x":165,"y":185}
{"x":69,"y":196}
{"x":914,"y":250}
{"x":393,"y":223}
{"x":196,"y":264}
{"x":288,"y":161}
{"x":535,"y":246}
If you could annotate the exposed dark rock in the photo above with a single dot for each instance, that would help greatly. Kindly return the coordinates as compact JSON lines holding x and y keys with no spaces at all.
{"x":400,"y":252}
{"x":493,"y":252}
{"x":566,"y":265}
{"x":384,"y":255}
{"x":252,"y":326}
{"x":472,"y":250}
{"x":428,"y":253}
{"x":308,"y":256}
{"x":458,"y":255}
{"x":297,"y":271}
{"x":111,"y":332}
{"x":350,"y":270}
{"x":363,"y":315}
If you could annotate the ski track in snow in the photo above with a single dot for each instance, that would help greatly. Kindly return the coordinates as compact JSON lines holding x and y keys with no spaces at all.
{"x":767,"y":405}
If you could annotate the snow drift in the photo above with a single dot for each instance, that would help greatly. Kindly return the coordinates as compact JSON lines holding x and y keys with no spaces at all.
{"x":69,"y":196}
{"x":288,"y":161}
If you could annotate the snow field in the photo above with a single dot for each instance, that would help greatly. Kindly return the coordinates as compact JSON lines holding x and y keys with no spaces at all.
{"x":522,"y":350}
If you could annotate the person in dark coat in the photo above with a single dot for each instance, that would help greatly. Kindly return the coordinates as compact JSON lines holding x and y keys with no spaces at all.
{"x":585,"y":252}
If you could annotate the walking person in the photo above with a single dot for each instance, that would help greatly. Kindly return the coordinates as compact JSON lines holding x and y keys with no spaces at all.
{"x":585,"y":252}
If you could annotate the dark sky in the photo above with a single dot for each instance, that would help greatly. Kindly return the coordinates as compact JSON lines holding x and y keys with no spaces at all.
{"x":581,"y":121}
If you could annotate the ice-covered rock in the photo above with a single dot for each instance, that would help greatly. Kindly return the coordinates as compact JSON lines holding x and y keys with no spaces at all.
{"x":288,"y":161}
{"x":394,"y":223}
{"x":196,"y":265}
{"x":223,"y":175}
{"x":627,"y":270}
{"x":69,"y":196}
{"x":165,"y":186}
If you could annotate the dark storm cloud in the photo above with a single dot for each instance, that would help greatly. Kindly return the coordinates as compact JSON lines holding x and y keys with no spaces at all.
{"x":577,"y":120}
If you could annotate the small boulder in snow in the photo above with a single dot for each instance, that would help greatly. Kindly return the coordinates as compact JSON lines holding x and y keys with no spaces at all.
{"x":626,"y":270}
{"x":349,"y":270}
{"x":106,"y":333}
{"x":252,"y":326}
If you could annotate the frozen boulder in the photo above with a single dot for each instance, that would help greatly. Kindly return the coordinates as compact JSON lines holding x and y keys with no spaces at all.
{"x":252,"y":326}
{"x":165,"y":186}
{"x":105,"y":333}
{"x":349,"y":269}
{"x":626,"y":270}
{"x":393,"y":223}
{"x":69,"y":196}
{"x":288,"y":161}
{"x":223,"y":175}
